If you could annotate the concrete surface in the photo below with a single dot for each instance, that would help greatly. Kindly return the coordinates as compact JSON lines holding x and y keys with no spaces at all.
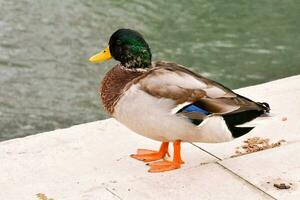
{"x":91,"y":161}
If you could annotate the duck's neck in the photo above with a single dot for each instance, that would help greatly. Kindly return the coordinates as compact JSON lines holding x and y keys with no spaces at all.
{"x":115,"y":82}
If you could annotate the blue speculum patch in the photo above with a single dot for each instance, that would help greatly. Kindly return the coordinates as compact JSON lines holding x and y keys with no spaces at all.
{"x":193,"y":108}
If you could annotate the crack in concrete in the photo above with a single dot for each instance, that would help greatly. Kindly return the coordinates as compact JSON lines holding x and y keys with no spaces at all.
{"x":253,"y":185}
{"x":232,"y":172}
{"x":114,"y":194}
{"x":206,"y":151}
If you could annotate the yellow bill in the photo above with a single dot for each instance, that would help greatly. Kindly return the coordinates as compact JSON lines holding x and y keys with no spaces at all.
{"x":102,"y":56}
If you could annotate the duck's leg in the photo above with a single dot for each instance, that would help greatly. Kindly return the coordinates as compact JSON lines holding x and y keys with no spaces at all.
{"x":150,"y":155}
{"x":166,"y":165}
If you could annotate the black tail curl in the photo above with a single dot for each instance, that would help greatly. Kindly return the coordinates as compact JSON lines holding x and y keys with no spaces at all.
{"x":265,"y":106}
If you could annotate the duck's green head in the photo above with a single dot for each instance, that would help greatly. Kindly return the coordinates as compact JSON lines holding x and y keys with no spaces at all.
{"x":128,"y":47}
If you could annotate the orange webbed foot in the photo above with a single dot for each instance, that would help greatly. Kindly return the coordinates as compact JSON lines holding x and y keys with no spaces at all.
{"x":150,"y":155}
{"x":162,"y":166}
{"x":165,"y":165}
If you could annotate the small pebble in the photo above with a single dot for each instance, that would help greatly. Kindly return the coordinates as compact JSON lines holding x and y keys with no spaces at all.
{"x":284,"y":119}
{"x":282,"y":186}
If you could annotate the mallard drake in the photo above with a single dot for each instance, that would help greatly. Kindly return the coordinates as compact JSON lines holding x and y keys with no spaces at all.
{"x":166,"y":102}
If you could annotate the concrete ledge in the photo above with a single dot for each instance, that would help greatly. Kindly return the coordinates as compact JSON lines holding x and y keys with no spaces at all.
{"x":90,"y":161}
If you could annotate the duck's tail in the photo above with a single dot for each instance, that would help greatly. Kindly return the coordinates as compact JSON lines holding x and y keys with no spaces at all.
{"x":264,"y":118}
{"x":241,"y":123}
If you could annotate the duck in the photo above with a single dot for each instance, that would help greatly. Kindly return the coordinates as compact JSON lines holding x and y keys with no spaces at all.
{"x":169,"y":103}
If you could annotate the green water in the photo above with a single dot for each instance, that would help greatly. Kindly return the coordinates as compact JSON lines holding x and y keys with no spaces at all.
{"x":47,"y":83}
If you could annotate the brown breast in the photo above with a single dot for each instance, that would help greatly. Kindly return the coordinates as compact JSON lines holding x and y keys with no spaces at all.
{"x":115,"y":82}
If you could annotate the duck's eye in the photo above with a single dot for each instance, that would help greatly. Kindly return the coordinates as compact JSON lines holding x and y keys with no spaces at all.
{"x":118,"y":42}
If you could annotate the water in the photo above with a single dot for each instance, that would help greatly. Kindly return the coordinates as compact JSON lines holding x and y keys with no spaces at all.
{"x":47,"y":83}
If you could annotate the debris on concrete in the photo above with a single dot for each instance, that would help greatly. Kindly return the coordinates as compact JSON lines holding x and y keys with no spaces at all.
{"x":282,"y":186}
{"x":255,"y":144}
{"x":42,"y":196}
{"x":204,"y":163}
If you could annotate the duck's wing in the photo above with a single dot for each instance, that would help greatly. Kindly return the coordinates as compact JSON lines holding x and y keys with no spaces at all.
{"x":199,"y":99}
{"x":172,"y":81}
